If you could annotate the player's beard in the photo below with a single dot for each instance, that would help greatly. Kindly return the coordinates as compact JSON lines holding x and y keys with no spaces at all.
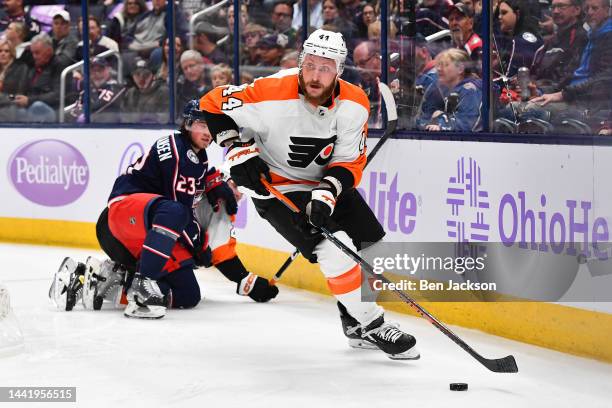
{"x":325,"y":95}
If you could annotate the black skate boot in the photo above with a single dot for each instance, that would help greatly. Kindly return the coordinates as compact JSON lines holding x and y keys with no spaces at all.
{"x":67,"y":286}
{"x":103,"y":281}
{"x":352,"y":330}
{"x":145,"y":300}
{"x":391,"y":340}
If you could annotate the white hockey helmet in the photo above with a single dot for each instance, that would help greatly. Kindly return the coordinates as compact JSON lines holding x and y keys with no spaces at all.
{"x":326,"y":44}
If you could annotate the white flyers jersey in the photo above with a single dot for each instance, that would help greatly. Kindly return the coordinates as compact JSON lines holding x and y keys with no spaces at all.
{"x":298,"y":141}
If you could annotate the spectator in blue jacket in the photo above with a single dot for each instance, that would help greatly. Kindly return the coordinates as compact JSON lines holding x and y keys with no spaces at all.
{"x":589,"y":87}
{"x":455,"y":81}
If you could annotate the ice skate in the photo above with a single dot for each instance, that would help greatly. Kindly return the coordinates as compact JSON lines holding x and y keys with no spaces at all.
{"x":145,"y":300}
{"x":67,"y":286}
{"x":352,"y":330}
{"x":103,"y":281}
{"x":391,"y":340}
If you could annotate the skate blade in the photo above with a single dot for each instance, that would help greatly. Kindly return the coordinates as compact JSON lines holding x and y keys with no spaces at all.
{"x":151,"y":312}
{"x":361,"y":344}
{"x":411,"y":354}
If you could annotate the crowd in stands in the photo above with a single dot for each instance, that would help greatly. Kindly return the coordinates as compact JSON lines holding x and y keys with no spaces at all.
{"x":551,"y":59}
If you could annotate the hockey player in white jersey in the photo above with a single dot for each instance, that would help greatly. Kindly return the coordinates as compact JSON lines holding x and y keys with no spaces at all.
{"x":304,"y":129}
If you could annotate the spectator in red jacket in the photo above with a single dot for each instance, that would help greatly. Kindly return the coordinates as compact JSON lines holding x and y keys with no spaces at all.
{"x":461,"y":24}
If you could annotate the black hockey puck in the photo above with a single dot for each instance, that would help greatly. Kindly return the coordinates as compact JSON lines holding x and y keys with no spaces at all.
{"x":458,"y":387}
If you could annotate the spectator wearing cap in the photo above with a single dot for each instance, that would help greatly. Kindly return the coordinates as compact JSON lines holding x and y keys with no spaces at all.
{"x":461,"y":25}
{"x":105,"y":95}
{"x":64,"y":43}
{"x":40,"y":95}
{"x":14,"y":12}
{"x":560,"y":56}
{"x":147,"y":101}
{"x":194,"y":81}
{"x":252,"y":34}
{"x":205,"y":42}
{"x":589,"y":87}
{"x":281,"y":18}
{"x":98,"y":43}
{"x":125,"y":21}
{"x":316,"y":14}
{"x":271,"y":49}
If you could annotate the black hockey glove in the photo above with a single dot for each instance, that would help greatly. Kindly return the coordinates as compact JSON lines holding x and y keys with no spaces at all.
{"x":217,"y":190}
{"x":257,"y":288}
{"x":202,"y":256}
{"x":198,"y":244}
{"x":321,"y":205}
{"x":247,"y":167}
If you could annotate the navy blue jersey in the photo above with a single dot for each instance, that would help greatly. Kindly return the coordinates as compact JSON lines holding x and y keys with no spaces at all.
{"x":515,"y":52}
{"x":171,"y":169}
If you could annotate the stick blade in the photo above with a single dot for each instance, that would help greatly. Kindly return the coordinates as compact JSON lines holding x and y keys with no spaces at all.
{"x":501,"y":365}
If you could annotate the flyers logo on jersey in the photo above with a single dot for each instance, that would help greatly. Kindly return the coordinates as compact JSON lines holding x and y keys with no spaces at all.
{"x":305,"y":150}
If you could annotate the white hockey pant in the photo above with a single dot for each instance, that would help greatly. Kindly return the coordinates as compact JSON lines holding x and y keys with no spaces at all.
{"x":344,"y":278}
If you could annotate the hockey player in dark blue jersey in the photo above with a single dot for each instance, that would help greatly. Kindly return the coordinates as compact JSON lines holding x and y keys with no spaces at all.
{"x":153,"y":229}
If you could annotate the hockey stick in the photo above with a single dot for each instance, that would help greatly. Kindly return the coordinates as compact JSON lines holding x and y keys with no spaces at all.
{"x":391,"y":110}
{"x":499,"y":365}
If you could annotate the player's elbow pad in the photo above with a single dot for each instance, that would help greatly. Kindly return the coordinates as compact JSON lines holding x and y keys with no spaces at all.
{"x":222,"y":128}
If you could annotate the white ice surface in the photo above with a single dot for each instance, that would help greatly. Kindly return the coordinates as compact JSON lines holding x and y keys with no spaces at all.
{"x":290,"y":353}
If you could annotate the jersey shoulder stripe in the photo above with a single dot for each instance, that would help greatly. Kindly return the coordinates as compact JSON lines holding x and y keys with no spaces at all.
{"x":353,"y":93}
{"x":272,"y":88}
